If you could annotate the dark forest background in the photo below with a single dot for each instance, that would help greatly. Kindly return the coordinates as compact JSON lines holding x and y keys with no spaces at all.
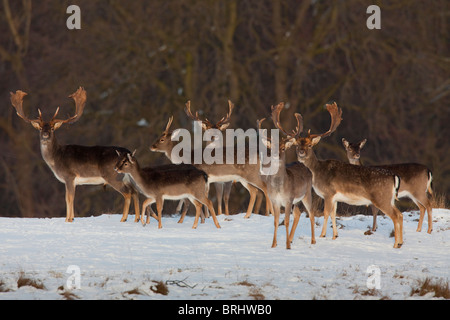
{"x":144,"y":59}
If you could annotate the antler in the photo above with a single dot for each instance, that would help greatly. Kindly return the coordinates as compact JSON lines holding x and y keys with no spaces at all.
{"x":221,"y":125}
{"x":169,"y":123}
{"x":187,"y":109}
{"x":336,"y":118}
{"x":17,"y":102}
{"x":276,"y":120}
{"x":258,"y":123}
{"x":79,"y":97}
{"x":226,"y":120}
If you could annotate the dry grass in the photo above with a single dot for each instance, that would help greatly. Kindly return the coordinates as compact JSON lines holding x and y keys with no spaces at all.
{"x":440,"y":201}
{"x":3,"y":287}
{"x":439,"y":287}
{"x":26,"y":281}
{"x":160,"y":288}
{"x":254,"y":292}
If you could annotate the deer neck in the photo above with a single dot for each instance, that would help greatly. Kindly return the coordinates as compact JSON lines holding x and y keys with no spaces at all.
{"x":49,"y":149}
{"x":311,"y":162}
{"x":356,"y":162}
{"x":136,"y":174}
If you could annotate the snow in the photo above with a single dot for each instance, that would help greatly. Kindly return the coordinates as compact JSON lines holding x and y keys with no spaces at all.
{"x":126,"y":260}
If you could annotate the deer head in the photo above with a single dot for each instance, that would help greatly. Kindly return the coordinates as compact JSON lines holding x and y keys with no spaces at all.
{"x":47,"y":128}
{"x":162,"y":143}
{"x":353,"y":150}
{"x":305,"y":144}
{"x":288,"y":140}
{"x":125,"y":162}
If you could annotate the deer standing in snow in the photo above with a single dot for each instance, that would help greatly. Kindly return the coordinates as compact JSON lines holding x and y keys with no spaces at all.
{"x":337,"y":181}
{"x":76,"y":165}
{"x":415,"y":182}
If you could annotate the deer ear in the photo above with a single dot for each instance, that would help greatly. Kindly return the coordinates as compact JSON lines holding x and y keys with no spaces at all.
{"x":57,"y":124}
{"x":129,"y":156}
{"x":134,"y":152}
{"x":362,"y":143}
{"x":345,"y":143}
{"x":118,"y":152}
{"x":315,"y":140}
{"x":289,"y":143}
{"x":36,"y":124}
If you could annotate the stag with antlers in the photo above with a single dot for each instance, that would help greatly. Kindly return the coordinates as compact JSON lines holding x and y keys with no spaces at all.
{"x":78,"y":165}
{"x":337,"y":181}
{"x":291,"y":184}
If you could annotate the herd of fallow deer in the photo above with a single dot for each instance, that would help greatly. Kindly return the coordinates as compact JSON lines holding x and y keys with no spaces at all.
{"x":334,"y":181}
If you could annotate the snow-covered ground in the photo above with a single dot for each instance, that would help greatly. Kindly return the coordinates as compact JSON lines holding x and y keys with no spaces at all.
{"x":126,"y":260}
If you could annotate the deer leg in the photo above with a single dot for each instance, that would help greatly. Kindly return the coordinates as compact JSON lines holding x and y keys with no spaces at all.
{"x":226,"y":195}
{"x":430,"y":216}
{"x":136,"y":206}
{"x":374,"y":214}
{"x":219,"y":196}
{"x":179,"y":207}
{"x":421,"y":216}
{"x":287,"y":215}
{"x":397,"y":218}
{"x":253,"y":191}
{"x":185,"y":209}
{"x":198,"y":210}
{"x":295,"y":223}
{"x":307,"y":201}
{"x":276,"y":218}
{"x":151,"y":213}
{"x":146,"y":203}
{"x":159,"y":208}
{"x":259,"y":198}
{"x":424,"y":204}
{"x":269,"y":207}
{"x":209,"y":204}
{"x":333,"y":220}
{"x":126,"y":206}
{"x":328,"y":205}
{"x":70,"y":196}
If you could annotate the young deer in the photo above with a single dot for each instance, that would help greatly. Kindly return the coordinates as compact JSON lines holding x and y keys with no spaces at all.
{"x":78,"y":165}
{"x":247,"y":174}
{"x":415,"y":182}
{"x":291,"y":184}
{"x":337,"y":181}
{"x":171,"y":182}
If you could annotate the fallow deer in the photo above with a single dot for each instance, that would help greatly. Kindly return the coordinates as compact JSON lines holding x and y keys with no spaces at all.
{"x":223,"y":189}
{"x":171,"y":182}
{"x":78,"y":165}
{"x":289,"y":185}
{"x":415,"y":182}
{"x":337,"y":181}
{"x":247,"y":174}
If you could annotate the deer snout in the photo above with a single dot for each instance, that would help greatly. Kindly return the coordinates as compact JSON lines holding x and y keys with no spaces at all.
{"x":301,"y":153}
